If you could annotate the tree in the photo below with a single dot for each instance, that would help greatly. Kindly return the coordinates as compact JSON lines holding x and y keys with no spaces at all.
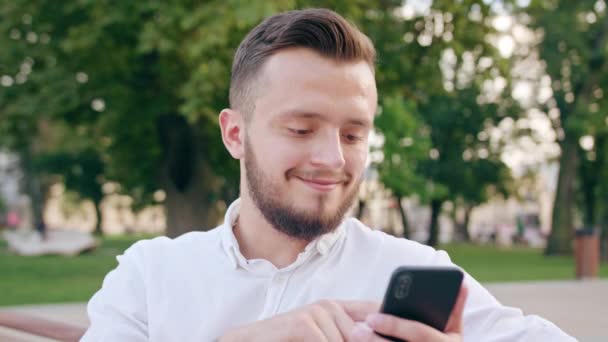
{"x":462,"y":160}
{"x":145,"y":81}
{"x":403,"y":145}
{"x":572,"y":46}
{"x":433,"y":65}
{"x":18,"y":132}
{"x":81,"y":172}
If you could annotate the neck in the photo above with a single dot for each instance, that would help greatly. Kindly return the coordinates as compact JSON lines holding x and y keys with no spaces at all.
{"x":258,"y":239}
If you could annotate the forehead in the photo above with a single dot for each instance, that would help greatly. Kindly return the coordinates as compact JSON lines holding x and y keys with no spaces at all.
{"x":300,"y":80}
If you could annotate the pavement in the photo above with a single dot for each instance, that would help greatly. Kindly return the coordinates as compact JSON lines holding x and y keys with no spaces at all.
{"x":580,"y":308}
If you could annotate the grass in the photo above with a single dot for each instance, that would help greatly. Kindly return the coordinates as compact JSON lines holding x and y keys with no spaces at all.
{"x":493,"y":264}
{"x":50,"y":279}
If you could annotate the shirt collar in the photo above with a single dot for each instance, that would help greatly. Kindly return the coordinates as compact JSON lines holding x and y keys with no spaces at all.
{"x":229,"y":242}
{"x":230,"y":245}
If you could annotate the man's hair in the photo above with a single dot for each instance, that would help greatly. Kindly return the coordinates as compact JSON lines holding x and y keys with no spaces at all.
{"x":321,"y":30}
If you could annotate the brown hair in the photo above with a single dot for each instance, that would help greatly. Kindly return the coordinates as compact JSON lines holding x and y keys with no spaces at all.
{"x":321,"y":30}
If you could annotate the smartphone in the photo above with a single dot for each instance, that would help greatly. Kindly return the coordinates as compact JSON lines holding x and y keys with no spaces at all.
{"x":424,"y":294}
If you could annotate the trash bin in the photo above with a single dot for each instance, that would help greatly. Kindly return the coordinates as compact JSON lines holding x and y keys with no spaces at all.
{"x":587,"y":252}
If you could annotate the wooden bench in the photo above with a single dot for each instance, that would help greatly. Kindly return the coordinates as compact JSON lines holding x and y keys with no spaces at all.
{"x":41,"y":327}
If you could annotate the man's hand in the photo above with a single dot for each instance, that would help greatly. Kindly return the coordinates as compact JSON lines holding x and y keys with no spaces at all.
{"x":321,"y":321}
{"x":411,"y":331}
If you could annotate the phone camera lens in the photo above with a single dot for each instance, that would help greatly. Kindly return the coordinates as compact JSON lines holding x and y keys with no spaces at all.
{"x":404,"y":282}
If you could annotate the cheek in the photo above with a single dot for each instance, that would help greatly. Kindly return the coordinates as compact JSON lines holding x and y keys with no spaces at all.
{"x":278,"y":157}
{"x":355,"y":161}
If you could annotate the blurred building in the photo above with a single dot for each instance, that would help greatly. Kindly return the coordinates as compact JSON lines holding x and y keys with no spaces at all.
{"x":495,"y":221}
{"x":528,"y":213}
{"x":381,"y":212}
{"x":525,"y":215}
{"x":62,"y":212}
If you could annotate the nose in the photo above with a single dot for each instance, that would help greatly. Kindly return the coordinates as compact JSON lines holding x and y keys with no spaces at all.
{"x":328,"y":151}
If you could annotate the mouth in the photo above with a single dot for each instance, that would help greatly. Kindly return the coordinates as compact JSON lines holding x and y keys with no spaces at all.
{"x":323,"y":185}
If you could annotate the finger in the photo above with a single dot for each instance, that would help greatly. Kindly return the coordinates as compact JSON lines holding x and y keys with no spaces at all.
{"x":359,"y":310}
{"x":404,"y":329}
{"x":455,"y":322}
{"x":363,"y":333}
{"x":316,"y":334}
{"x":325,"y":321}
{"x":343,"y":321}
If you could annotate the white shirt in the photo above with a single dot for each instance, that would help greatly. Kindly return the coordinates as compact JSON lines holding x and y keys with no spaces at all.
{"x":197,"y":286}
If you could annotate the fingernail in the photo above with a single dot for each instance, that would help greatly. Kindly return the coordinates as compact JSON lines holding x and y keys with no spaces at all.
{"x":360,"y":332}
{"x":373,"y":319}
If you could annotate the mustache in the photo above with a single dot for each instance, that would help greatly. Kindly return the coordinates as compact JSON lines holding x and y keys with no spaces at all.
{"x":337,"y":176}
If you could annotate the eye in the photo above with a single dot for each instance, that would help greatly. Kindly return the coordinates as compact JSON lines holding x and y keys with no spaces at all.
{"x":352,"y":138}
{"x":299,"y":131}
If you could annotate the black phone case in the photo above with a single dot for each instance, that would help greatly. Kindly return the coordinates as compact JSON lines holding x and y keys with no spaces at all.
{"x":424,"y":294}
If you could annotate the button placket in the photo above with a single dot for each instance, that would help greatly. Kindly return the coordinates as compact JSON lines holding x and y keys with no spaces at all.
{"x":274,"y":294}
{"x":279,"y":279}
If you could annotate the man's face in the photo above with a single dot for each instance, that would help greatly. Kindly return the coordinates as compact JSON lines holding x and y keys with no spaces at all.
{"x":307,"y":142}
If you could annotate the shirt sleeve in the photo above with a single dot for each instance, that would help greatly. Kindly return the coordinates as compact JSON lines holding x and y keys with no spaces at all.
{"x":486,"y":319}
{"x":118,"y":311}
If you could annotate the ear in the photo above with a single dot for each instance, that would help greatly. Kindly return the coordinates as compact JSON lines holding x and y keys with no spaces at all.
{"x":233,"y":132}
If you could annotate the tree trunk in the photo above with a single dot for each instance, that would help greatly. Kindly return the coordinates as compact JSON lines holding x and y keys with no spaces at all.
{"x":360,"y":209}
{"x":193,"y":209}
{"x":98,"y":230}
{"x":465,"y":226}
{"x":32,"y":187}
{"x":461,"y":233}
{"x":603,"y":225}
{"x":403,"y":214}
{"x":192,"y":189}
{"x":560,"y":238}
{"x":589,"y":173}
{"x":433,"y":239}
{"x":601,"y":148}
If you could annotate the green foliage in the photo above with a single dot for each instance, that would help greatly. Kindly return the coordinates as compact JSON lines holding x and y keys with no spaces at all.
{"x":572,"y":45}
{"x":465,"y":161}
{"x":81,"y":172}
{"x":139,"y":85}
{"x":434,"y":127}
{"x":114,"y":70}
{"x":404,"y":146}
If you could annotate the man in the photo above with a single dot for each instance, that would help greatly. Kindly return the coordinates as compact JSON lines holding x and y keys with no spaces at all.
{"x":286,"y":265}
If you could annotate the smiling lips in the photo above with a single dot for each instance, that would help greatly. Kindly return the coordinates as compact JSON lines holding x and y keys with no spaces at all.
{"x":320,"y":184}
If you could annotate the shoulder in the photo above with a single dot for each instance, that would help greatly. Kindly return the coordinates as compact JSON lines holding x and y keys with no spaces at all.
{"x":160,"y":250}
{"x":389,"y":247}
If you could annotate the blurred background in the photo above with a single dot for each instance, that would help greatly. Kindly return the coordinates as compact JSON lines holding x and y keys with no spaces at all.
{"x":491,"y":141}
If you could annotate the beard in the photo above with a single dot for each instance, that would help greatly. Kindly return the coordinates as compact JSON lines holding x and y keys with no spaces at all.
{"x":284,"y":216}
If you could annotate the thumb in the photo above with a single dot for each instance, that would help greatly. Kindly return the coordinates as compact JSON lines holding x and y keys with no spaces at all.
{"x":454,"y":324}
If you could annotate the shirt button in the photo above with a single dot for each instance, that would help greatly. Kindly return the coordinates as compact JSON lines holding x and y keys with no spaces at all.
{"x":322,"y":246}
{"x":279,"y":279}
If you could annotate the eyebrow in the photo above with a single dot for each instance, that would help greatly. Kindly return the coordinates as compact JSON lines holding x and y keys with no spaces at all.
{"x":312,"y":115}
